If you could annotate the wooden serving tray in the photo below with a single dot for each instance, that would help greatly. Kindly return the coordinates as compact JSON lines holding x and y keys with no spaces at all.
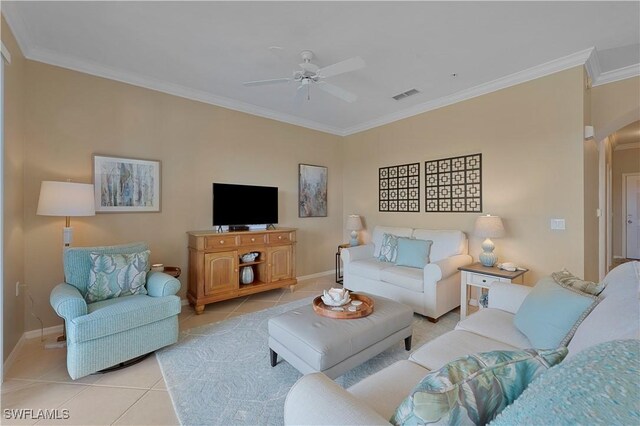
{"x":365,"y":309}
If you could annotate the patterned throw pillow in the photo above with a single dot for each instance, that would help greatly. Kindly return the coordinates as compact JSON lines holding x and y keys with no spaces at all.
{"x":388,"y":248}
{"x":474,"y":389}
{"x":567,"y":279}
{"x":115,"y":275}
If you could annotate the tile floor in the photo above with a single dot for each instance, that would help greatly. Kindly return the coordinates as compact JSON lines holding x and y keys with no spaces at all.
{"x":133,"y":396}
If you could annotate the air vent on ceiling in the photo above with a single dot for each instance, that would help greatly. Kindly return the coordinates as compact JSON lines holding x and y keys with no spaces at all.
{"x":406,"y":94}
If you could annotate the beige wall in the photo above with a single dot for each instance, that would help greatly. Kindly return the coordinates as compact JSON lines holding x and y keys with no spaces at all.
{"x":624,"y":161}
{"x":74,"y":115}
{"x":13,"y":262}
{"x":531,"y":139}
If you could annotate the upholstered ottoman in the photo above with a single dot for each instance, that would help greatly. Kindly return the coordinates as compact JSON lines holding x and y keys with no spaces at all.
{"x":313,"y":343}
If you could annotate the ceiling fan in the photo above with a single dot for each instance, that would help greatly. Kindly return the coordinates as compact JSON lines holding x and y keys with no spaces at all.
{"x":311,"y":74}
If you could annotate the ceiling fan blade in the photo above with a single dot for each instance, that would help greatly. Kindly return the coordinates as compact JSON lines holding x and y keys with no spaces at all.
{"x":265,"y":82}
{"x":347,"y":65}
{"x":337,"y":91}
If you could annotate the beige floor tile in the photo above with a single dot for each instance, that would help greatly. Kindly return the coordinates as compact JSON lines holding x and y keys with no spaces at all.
{"x":160,"y":385}
{"x":98,"y":405}
{"x":202,"y":319}
{"x":154,"y":408}
{"x":35,"y":361}
{"x":12,"y":385}
{"x":40,"y":395}
{"x":268,"y":296}
{"x":296,"y":295}
{"x":253,"y":306}
{"x":224,"y":306}
{"x":142,"y":375}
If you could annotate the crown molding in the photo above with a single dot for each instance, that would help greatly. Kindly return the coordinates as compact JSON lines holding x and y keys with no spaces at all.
{"x":561,"y":64}
{"x":135,"y":79}
{"x":617,"y":75}
{"x":5,"y":53}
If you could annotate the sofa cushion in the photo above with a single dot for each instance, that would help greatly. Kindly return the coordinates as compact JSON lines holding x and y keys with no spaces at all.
{"x":116,"y":275}
{"x":599,"y":386}
{"x":445,"y":243}
{"x":405,"y":277}
{"x":495,"y":324}
{"x":567,"y":279}
{"x":379,"y":231}
{"x":368,"y":268}
{"x":77,"y":261}
{"x":413,"y":253}
{"x":551,"y":313}
{"x":454,"y":344}
{"x":476,"y":388}
{"x":385,"y":390}
{"x":617,"y":316}
{"x":388,"y":248}
{"x":123,"y":313}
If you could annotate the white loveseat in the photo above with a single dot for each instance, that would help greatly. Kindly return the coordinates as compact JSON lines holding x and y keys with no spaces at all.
{"x":316,"y":399}
{"x":432,"y":291}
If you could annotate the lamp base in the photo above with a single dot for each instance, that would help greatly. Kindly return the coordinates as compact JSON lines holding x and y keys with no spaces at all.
{"x":488,"y":257}
{"x":354,"y":239}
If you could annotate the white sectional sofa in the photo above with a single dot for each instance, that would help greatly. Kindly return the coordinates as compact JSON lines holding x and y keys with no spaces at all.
{"x":432,"y":291}
{"x":316,"y":399}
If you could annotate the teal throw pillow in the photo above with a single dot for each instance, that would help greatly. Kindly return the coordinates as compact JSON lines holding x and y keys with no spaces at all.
{"x":116,"y":275}
{"x":567,"y":279}
{"x":551,"y":313}
{"x":388,"y":248}
{"x":598,"y":386}
{"x":474,"y":389}
{"x":413,"y":253}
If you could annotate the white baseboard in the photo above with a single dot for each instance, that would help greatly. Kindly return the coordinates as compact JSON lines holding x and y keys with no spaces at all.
{"x":317,"y":275}
{"x":56,"y":329}
{"x":13,"y":355}
{"x":618,"y":257}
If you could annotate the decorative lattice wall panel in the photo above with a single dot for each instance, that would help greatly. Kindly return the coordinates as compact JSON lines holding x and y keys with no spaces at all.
{"x":400,"y":188}
{"x":454,"y":184}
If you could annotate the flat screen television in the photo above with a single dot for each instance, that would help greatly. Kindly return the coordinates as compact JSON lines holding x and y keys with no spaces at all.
{"x":236,"y":205}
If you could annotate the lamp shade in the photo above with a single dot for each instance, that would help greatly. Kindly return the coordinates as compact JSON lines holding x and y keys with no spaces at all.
{"x":354,"y":223}
{"x":489,"y":227}
{"x":66,"y":199}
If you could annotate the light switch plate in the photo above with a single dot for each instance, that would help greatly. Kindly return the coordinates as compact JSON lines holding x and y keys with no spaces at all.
{"x":558,"y":224}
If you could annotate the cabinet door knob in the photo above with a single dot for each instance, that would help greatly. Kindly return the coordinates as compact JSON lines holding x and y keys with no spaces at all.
{"x":279,"y":237}
{"x":253,"y":239}
{"x":221,"y":241}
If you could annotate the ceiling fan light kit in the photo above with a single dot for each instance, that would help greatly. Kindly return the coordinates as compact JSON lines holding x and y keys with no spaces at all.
{"x":312,"y":74}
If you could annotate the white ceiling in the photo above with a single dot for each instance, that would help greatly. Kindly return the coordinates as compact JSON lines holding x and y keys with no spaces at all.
{"x":205,"y":50}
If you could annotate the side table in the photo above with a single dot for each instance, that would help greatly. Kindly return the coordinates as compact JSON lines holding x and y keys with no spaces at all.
{"x":480,"y":276}
{"x":339,"y":262}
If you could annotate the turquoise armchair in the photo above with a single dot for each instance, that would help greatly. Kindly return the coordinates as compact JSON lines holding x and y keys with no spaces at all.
{"x":106,"y":333}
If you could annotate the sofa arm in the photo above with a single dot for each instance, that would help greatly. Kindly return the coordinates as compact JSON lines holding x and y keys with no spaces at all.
{"x":67,"y":301}
{"x":356,"y":253}
{"x":160,"y":284}
{"x":507,"y":297}
{"x":315,"y":399}
{"x":444,"y":268}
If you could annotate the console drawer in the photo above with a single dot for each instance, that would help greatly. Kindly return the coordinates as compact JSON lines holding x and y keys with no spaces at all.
{"x":250,"y":239}
{"x":279,"y":237}
{"x":220,"y":241}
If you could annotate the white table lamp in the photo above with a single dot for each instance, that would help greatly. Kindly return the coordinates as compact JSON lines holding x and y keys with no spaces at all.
{"x":488,"y":227}
{"x":66,"y":199}
{"x":354,"y":224}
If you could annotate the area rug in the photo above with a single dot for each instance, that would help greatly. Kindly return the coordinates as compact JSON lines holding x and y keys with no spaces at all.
{"x":219,"y":374}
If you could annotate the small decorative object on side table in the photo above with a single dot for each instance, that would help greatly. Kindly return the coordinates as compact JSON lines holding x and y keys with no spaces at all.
{"x":338,"y":262}
{"x":174,"y":271}
{"x":480,"y":276}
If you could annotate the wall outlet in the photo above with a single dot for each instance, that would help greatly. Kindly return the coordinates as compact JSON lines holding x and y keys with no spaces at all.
{"x":558,"y":224}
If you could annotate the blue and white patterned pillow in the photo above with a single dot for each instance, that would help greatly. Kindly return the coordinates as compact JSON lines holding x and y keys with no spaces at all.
{"x":388,"y":248}
{"x":474,"y":389}
{"x":116,"y":275}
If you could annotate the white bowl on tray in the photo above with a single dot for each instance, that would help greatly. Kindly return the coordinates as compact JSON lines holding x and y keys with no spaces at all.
{"x":336,"y":297}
